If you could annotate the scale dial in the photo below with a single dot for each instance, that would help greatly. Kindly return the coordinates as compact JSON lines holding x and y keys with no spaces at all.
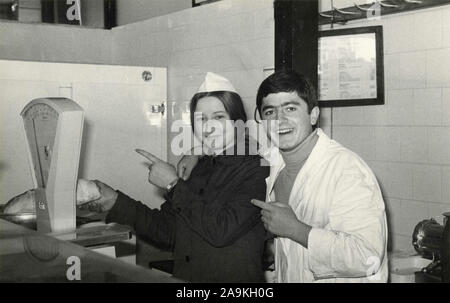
{"x":40,"y":122}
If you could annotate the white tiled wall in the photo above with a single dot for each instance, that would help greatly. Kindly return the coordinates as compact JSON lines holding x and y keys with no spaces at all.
{"x":407,"y":140}
{"x":54,"y":43}
{"x":234,"y":38}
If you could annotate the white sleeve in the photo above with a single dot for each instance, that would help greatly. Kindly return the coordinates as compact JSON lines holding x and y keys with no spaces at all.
{"x":356,"y":233}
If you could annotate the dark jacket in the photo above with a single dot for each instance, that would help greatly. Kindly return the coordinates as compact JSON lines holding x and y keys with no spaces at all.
{"x":216,"y":234}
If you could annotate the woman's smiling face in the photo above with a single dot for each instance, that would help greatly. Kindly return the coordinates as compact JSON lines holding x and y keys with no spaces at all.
{"x":290,"y":123}
{"x":212,"y":124}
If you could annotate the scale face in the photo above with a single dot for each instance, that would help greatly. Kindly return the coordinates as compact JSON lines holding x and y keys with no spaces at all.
{"x":53,"y":128}
{"x":40,"y":124}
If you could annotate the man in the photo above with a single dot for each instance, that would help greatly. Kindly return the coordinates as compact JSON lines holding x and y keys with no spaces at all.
{"x":326,"y":208}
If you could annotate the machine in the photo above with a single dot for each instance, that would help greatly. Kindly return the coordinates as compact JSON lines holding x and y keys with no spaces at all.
{"x":432,"y":241}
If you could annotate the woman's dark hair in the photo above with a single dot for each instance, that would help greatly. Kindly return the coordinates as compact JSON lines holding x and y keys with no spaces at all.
{"x":231,"y":101}
{"x":287,"y":81}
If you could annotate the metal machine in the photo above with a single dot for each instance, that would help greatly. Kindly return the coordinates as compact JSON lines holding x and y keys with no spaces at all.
{"x":432,"y":241}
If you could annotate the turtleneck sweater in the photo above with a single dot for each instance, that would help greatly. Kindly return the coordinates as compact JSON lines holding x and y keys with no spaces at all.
{"x":294,"y":160}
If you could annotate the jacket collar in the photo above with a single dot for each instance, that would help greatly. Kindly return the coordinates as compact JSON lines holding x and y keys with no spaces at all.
{"x":273,"y":155}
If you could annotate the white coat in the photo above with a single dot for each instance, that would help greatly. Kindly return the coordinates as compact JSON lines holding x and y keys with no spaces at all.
{"x":337,"y":194}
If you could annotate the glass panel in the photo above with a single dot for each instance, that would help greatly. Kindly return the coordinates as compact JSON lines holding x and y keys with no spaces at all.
{"x":8,"y":10}
{"x":88,"y":13}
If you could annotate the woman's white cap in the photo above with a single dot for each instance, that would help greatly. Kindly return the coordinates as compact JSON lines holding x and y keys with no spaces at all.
{"x":214,"y":82}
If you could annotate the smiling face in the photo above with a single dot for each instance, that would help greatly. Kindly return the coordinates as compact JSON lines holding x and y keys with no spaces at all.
{"x":212,"y":124}
{"x":292,"y":123}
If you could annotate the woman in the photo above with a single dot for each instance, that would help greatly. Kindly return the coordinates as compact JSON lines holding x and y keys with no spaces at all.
{"x":215,"y":233}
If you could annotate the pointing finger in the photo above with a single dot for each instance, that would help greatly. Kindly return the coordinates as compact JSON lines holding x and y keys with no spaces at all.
{"x":148,"y":155}
{"x":261,"y":204}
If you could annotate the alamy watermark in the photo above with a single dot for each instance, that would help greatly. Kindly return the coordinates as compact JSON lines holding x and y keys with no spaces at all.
{"x":248,"y":138}
{"x":73,"y":273}
{"x":73,"y":12}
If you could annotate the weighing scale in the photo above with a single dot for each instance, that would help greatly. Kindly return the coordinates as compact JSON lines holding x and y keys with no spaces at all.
{"x":53,"y":128}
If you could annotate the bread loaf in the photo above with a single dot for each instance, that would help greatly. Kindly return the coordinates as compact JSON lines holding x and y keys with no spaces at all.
{"x":87,"y":191}
{"x":22,"y":203}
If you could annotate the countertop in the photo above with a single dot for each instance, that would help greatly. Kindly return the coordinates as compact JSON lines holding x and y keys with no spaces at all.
{"x":27,"y":256}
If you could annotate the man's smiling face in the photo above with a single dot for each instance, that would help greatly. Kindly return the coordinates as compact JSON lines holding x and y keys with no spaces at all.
{"x":291,"y":121}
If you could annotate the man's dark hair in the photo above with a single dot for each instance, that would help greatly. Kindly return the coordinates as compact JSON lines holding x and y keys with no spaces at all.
{"x":287,"y":81}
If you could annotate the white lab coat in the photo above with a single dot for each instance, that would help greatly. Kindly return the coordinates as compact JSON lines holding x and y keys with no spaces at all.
{"x":337,"y":194}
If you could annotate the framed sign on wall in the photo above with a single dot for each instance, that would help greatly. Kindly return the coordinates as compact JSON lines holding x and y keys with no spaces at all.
{"x":351,"y":69}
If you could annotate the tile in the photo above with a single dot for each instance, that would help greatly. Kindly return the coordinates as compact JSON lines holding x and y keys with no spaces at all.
{"x":437,"y":71}
{"x":209,"y":12}
{"x":393,"y":212}
{"x":240,"y":6}
{"x":427,"y":105}
{"x":264,"y":23}
{"x":256,"y":53}
{"x":414,"y":144}
{"x":58,"y":44}
{"x":399,"y":107}
{"x":325,"y":120}
{"x":242,"y":27}
{"x":427,"y":30}
{"x":246,"y":82}
{"x":235,"y":7}
{"x":229,"y":8}
{"x":179,"y":61}
{"x":180,"y":18}
{"x":412,"y":212}
{"x":353,"y":115}
{"x":439,"y":145}
{"x":375,"y":115}
{"x":158,"y":41}
{"x":427,"y":183}
{"x":446,"y":184}
{"x":391,"y":71}
{"x":379,"y":169}
{"x":187,"y":37}
{"x":157,"y":58}
{"x":387,"y":143}
{"x":365,"y":142}
{"x":446,"y":106}
{"x":402,"y":243}
{"x":343,"y":135}
{"x":399,"y":180}
{"x":205,"y":59}
{"x":395,"y":179}
{"x":208,"y":34}
{"x":412,"y":70}
{"x":398,"y":34}
{"x":224,"y":30}
{"x":233,"y":56}
{"x":445,"y":26}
